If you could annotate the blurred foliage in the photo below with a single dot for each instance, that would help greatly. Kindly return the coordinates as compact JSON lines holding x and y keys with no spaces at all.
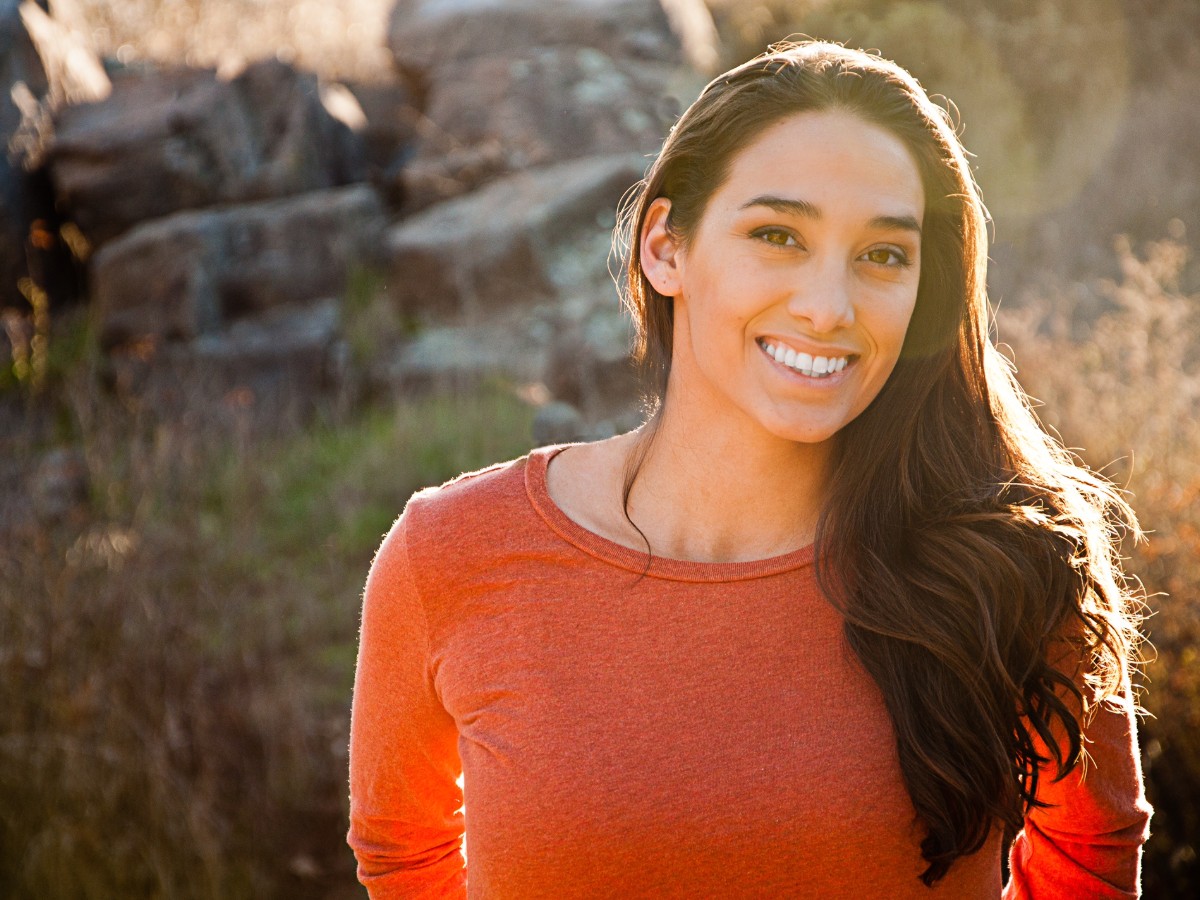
{"x":1042,"y":85}
{"x":175,"y":669}
{"x":343,"y":40}
{"x":1125,"y":385}
{"x":372,"y":323}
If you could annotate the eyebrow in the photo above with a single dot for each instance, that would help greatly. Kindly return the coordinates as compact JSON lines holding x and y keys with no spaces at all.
{"x":807,"y":210}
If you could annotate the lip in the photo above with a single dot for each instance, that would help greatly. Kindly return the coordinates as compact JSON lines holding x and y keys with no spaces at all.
{"x":812,"y":381}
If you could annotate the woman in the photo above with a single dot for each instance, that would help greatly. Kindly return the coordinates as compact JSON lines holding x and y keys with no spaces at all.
{"x":833,"y":622}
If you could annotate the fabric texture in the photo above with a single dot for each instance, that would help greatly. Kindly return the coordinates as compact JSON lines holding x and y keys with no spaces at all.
{"x":678,"y":730}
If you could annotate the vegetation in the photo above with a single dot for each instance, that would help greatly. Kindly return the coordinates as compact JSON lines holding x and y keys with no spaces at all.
{"x":176,"y":659}
{"x":1124,"y":383}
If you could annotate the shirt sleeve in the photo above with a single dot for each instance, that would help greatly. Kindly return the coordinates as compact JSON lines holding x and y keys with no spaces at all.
{"x":1088,"y":842}
{"x":406,"y":823}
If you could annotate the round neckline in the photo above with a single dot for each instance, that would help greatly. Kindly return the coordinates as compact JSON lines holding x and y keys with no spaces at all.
{"x":537,"y":465}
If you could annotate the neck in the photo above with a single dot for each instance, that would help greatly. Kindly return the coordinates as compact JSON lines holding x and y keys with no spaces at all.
{"x":709,"y":491}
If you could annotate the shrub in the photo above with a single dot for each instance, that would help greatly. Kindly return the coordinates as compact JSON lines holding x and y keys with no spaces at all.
{"x":1117,"y":367}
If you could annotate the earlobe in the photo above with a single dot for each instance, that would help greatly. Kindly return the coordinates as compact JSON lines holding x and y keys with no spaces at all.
{"x":660,"y":251}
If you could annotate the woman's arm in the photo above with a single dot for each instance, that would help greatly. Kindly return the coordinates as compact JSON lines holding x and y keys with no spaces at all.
{"x":1088,"y":843}
{"x":406,"y":826}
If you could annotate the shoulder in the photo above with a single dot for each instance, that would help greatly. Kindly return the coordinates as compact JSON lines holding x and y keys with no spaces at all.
{"x":462,"y":508}
{"x":475,"y":520}
{"x":451,"y":528}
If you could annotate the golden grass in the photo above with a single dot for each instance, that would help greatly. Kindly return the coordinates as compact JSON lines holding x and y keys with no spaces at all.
{"x":1117,"y":366}
{"x":339,"y":40}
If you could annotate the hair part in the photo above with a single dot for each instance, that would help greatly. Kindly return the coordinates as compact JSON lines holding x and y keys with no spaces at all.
{"x":976,"y":562}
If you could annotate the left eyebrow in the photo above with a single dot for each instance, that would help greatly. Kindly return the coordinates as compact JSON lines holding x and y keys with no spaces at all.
{"x":896,"y":223}
{"x":807,"y":210}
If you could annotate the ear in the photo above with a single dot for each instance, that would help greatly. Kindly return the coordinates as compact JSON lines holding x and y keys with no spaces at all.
{"x":661,"y":253}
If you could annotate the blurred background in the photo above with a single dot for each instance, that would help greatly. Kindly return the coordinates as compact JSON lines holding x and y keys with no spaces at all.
{"x":269,"y":266}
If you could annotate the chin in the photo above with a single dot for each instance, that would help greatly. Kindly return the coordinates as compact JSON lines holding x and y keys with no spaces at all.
{"x":811,"y":433}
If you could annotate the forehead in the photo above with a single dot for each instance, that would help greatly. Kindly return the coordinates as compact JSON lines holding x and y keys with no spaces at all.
{"x":835,"y":160}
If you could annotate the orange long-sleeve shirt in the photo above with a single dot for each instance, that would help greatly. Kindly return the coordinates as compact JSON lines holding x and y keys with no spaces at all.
{"x":699,"y":730}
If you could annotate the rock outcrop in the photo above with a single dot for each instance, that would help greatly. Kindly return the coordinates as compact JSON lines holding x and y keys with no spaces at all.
{"x":189,"y":274}
{"x":239,"y":227}
{"x":538,"y":83}
{"x":528,"y":237}
{"x":171,"y":140}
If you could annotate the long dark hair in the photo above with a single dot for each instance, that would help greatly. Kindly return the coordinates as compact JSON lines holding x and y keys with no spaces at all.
{"x":975,"y":561}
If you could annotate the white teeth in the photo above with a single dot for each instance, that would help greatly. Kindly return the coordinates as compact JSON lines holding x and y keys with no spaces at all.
{"x":816,"y":367}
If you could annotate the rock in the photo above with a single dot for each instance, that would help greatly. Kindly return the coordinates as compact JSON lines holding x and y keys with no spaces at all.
{"x":390,"y":121}
{"x":549,"y":82}
{"x":559,"y":423}
{"x":436,"y":177}
{"x":528,"y":237}
{"x":263,"y":368}
{"x":187,"y":274}
{"x":461,"y":356}
{"x":181,"y":139}
{"x":589,"y":364}
{"x":554,"y":104}
{"x":44,"y":63}
{"x":426,"y":36}
{"x":293,"y":350}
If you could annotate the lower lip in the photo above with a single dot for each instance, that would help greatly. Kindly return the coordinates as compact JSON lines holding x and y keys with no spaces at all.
{"x":799,"y":377}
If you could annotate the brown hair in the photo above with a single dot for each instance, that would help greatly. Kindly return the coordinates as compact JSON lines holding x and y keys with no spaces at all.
{"x":976,"y":563}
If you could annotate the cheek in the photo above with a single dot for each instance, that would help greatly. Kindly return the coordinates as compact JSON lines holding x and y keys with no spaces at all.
{"x":892,"y":318}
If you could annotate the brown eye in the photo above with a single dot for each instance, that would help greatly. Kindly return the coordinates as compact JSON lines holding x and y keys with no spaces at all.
{"x":778,"y":237}
{"x":887,"y":256}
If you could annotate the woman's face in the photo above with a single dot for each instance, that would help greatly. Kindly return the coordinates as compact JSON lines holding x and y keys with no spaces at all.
{"x":794,"y":295}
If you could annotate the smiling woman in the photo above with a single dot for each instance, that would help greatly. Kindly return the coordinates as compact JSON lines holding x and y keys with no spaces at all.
{"x":837,"y":621}
{"x":811,"y":247}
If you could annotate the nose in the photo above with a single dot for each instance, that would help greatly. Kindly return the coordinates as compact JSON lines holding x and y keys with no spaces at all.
{"x":824,"y":297}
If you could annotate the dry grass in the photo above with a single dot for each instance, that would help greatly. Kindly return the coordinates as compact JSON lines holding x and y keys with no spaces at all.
{"x":176,"y":659}
{"x":342,"y":40}
{"x":1117,"y":366}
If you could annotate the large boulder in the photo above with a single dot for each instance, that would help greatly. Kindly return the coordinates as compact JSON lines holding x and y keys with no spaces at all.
{"x":549,"y":82}
{"x":525,"y":238}
{"x":574,"y":351}
{"x":171,"y":140}
{"x":188,"y":274}
{"x":555,"y":103}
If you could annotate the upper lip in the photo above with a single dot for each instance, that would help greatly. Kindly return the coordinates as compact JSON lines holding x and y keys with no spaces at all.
{"x":800,"y":345}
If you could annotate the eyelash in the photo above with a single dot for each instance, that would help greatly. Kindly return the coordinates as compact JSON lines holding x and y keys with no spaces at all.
{"x":902,"y":260}
{"x":763,"y":233}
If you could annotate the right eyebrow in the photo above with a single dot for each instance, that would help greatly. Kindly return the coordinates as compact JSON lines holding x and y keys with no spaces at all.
{"x":785,"y":206}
